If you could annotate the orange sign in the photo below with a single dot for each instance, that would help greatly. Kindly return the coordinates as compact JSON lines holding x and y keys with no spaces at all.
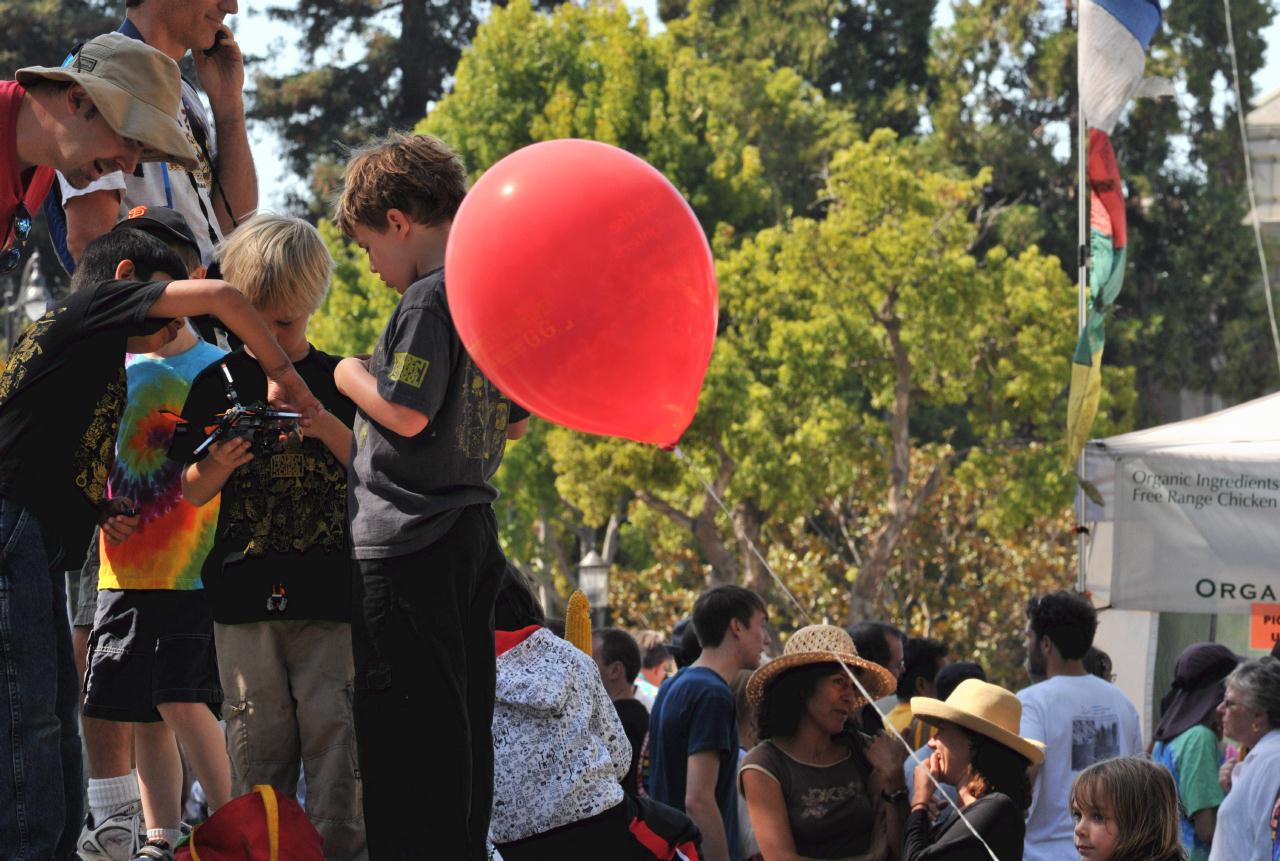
{"x":1264,"y":631}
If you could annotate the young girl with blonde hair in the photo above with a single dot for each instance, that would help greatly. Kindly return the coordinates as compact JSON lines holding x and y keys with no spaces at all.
{"x":1126,"y":809}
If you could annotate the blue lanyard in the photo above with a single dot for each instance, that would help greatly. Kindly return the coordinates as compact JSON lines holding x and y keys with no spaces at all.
{"x":168,"y":190}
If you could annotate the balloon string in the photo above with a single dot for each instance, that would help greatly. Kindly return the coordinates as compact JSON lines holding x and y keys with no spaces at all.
{"x":884,"y":718}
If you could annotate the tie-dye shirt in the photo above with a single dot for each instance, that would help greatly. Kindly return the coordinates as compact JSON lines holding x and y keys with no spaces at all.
{"x":170,"y":544}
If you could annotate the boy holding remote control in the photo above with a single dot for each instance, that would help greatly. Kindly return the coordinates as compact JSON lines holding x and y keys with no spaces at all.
{"x":279,"y":575}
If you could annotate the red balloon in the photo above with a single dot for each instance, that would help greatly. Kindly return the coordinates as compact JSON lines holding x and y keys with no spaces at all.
{"x":582,"y":285}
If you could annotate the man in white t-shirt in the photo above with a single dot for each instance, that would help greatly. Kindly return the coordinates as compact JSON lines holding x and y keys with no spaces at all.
{"x":223,"y":189}
{"x":1080,"y":718}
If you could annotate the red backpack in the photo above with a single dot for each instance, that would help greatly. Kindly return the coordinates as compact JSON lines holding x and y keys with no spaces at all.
{"x":260,"y":826}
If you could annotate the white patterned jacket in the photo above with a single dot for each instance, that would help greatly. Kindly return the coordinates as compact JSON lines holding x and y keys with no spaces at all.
{"x":559,"y":748}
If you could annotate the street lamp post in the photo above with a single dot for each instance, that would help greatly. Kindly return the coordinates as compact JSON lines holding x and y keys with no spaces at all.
{"x":593,"y":580}
{"x":33,"y":298}
{"x":30,"y":299}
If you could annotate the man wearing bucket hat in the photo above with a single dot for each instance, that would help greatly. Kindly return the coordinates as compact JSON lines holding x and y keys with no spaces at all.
{"x":213,"y":194}
{"x":1187,"y":739}
{"x":111,"y":107}
{"x":816,"y":789}
{"x":978,"y":750}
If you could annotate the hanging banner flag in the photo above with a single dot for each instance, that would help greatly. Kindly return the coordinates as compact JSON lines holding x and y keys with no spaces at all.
{"x":1113,"y":41}
{"x":1112,"y":52}
{"x":1108,"y":234}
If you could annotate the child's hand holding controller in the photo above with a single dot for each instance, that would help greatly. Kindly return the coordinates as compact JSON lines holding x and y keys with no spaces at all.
{"x":119,"y":519}
{"x":286,"y":390}
{"x":231,"y":453}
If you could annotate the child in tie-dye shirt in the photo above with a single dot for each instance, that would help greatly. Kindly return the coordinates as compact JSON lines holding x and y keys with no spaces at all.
{"x":150,"y":660}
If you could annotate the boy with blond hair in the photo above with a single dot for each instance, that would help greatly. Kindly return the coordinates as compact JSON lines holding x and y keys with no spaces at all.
{"x":279,"y":574}
{"x":430,"y":433}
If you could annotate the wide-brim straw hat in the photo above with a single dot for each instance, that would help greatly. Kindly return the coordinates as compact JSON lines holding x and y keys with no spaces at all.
{"x":137,"y":89}
{"x":822,"y":644}
{"x":984,"y":708}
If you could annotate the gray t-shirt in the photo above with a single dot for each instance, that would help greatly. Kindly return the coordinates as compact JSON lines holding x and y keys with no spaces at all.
{"x":406,"y":492}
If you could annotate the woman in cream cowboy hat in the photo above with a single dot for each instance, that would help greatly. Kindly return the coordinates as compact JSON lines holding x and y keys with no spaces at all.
{"x":814,"y":788}
{"x":978,"y":750}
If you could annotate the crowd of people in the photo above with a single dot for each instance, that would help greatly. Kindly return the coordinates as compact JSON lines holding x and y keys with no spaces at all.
{"x":285,"y":570}
{"x":826,"y":753}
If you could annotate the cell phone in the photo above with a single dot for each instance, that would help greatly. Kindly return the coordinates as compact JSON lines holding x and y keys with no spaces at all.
{"x":217,"y":43}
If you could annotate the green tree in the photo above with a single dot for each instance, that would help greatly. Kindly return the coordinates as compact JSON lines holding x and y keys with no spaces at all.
{"x":358,"y":303}
{"x":866,"y":357}
{"x":869,"y":56}
{"x":1192,"y":314}
{"x":406,"y":52}
{"x":746,"y":142}
{"x":1006,"y":98}
{"x":41,"y":32}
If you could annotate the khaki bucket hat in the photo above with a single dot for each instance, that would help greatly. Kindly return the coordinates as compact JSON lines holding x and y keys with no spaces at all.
{"x":137,"y":89}
{"x":986,"y":709}
{"x":822,"y":644}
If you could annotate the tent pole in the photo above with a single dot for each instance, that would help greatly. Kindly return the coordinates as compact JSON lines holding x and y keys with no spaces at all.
{"x":1082,"y":309}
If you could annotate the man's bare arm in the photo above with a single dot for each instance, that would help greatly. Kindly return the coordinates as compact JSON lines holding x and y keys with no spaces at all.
{"x":88,"y":217}
{"x":700,"y":803}
{"x":222,"y":77}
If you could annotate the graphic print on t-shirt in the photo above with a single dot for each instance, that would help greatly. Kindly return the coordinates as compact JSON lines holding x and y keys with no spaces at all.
{"x":287,"y":502}
{"x":96,"y":450}
{"x":483,"y":431}
{"x":817,"y":802}
{"x":204,"y":171}
{"x":1094,"y":737}
{"x":27,"y":347}
{"x":408,"y":369}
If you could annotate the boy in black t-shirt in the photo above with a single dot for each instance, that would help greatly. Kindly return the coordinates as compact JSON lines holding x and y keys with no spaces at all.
{"x":279,"y":573}
{"x":617,"y":655}
{"x":61,"y":397}
{"x":430,"y":433}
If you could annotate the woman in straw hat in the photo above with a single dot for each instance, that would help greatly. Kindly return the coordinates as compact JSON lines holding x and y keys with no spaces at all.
{"x":977,"y":750}
{"x":815,"y":789}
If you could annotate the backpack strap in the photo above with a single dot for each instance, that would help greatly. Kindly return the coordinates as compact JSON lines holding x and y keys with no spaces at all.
{"x":273,"y":818}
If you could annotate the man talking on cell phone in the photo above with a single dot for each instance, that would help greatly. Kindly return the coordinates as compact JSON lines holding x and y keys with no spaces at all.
{"x":219,"y":192}
{"x":223,"y":188}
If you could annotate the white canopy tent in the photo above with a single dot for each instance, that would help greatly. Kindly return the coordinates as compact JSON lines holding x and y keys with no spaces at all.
{"x":1189,"y":523}
{"x":1190,"y":513}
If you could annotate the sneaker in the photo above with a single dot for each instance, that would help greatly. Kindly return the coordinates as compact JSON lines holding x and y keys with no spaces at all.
{"x":155,"y":849}
{"x":116,"y":838}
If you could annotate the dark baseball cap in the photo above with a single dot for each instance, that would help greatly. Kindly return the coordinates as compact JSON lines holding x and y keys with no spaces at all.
{"x":684,"y":645}
{"x":161,"y":222}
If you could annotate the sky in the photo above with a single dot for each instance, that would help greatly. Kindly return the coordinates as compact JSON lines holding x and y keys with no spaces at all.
{"x":262,"y":37}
